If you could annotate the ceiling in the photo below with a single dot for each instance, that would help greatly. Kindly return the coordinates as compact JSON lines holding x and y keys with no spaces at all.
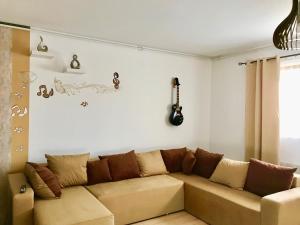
{"x":202,"y":27}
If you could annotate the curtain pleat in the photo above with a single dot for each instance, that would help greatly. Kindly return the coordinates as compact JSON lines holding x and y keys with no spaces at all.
{"x":262,"y":110}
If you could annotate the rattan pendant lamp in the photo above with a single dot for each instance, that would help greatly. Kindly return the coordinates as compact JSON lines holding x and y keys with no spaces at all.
{"x":287,"y":34}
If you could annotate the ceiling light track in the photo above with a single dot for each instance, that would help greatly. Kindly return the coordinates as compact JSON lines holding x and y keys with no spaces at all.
{"x":124,"y":44}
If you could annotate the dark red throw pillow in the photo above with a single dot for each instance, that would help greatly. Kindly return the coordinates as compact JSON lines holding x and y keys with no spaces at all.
{"x":188,"y":162}
{"x":266,"y":178}
{"x":48,"y":177}
{"x":98,"y":171}
{"x":123,"y":166}
{"x":173,"y":159}
{"x":206,"y":162}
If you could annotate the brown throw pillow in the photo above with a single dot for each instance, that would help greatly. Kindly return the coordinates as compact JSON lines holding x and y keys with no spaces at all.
{"x":98,"y":171}
{"x":123,"y":166}
{"x":206,"y":162}
{"x":173,"y":159}
{"x":266,"y":178}
{"x":43,"y":181}
{"x":188,"y":162}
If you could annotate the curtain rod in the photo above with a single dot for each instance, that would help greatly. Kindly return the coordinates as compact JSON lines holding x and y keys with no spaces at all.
{"x":282,"y":57}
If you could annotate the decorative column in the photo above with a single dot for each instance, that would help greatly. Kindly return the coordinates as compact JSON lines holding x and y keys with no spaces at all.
{"x":5,"y":118}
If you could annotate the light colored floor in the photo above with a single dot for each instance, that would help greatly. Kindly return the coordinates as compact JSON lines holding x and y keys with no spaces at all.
{"x":180,"y":218}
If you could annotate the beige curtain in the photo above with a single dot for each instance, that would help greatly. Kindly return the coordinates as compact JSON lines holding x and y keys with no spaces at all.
{"x":262,"y":110}
{"x":5,"y":138}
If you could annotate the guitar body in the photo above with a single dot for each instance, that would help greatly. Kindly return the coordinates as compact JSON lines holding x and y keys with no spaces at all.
{"x":176,"y":117}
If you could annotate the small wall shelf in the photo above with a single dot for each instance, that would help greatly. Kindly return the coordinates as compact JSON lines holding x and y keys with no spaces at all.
{"x":74,"y":71}
{"x":45,"y":55}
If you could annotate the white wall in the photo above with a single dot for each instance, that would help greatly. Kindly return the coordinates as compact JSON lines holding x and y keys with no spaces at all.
{"x":228,"y":104}
{"x":133,"y":118}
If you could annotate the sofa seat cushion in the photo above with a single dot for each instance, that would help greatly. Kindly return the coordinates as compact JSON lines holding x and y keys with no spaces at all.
{"x":140,"y":198}
{"x":204,"y":198}
{"x":75,"y":207}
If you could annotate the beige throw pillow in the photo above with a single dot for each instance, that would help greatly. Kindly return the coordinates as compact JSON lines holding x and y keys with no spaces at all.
{"x":231,"y":173}
{"x":151,"y":163}
{"x":70,"y":169}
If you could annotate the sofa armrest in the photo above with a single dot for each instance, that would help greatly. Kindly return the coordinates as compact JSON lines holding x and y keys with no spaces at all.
{"x":281,"y":208}
{"x":296,"y":180}
{"x":22,"y":203}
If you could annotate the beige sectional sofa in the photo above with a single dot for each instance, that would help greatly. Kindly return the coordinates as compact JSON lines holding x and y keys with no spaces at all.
{"x":137,"y":199}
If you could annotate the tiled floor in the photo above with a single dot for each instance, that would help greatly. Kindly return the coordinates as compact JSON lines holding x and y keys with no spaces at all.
{"x":180,"y":218}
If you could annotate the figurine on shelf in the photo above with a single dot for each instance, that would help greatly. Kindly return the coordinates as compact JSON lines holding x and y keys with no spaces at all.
{"x":75,"y":64}
{"x":116,"y":81}
{"x":41,"y":46}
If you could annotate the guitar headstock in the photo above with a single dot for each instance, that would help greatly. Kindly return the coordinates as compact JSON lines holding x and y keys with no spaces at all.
{"x":176,"y":82}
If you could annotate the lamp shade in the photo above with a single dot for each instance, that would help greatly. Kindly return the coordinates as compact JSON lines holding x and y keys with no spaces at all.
{"x":286,"y":36}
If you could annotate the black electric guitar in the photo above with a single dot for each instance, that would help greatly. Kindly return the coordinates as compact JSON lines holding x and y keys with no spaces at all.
{"x":176,"y":117}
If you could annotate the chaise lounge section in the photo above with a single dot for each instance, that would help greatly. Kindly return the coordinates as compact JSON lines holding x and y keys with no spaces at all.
{"x":139,"y":199}
{"x":221,"y":205}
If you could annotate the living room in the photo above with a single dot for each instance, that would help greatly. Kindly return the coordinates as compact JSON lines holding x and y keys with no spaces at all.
{"x":149,"y":112}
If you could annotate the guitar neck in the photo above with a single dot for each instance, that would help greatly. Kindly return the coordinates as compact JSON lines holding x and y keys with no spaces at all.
{"x":177,"y":101}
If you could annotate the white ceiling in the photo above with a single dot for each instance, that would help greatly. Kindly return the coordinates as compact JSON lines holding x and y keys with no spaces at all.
{"x":202,"y":27}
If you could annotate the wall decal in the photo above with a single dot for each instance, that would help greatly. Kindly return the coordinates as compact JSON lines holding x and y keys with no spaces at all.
{"x":84,"y":104}
{"x":23,"y":85}
{"x":18,"y":95}
{"x":41,"y":46}
{"x":27,"y":76}
{"x":18,"y":111}
{"x":20,"y":148}
{"x":43,"y":91}
{"x":75,"y":64}
{"x":19,"y":130}
{"x":73,"y":89}
{"x":116,"y":80}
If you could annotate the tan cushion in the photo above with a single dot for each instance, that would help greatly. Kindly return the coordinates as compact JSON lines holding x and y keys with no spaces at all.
{"x":151,"y":163}
{"x":75,"y":207}
{"x":140,"y":198}
{"x":70,"y":169}
{"x":218,"y":204}
{"x":231,"y":173}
